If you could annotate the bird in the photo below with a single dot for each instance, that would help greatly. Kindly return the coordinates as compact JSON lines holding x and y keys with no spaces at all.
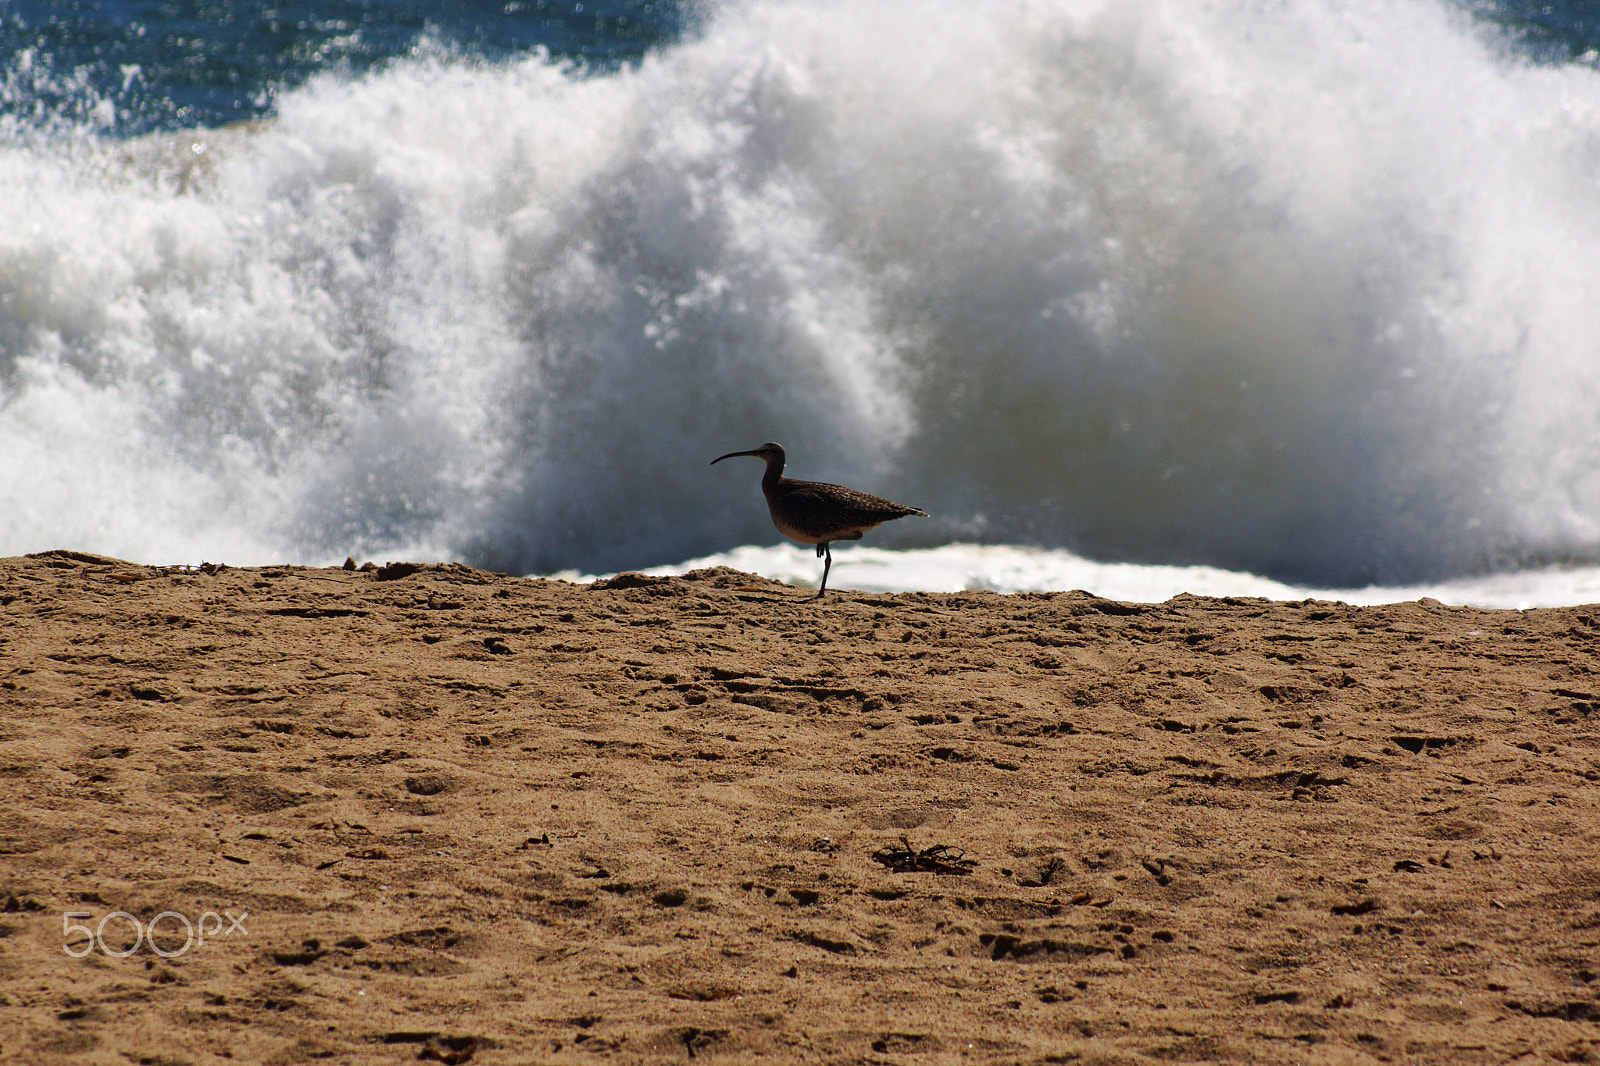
{"x":814,"y":512}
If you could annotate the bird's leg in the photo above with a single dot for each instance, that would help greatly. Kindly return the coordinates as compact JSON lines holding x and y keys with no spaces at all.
{"x":824,"y":551}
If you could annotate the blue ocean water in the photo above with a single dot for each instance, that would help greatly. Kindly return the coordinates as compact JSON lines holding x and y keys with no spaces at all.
{"x":172,"y":64}
{"x":1307,"y":290}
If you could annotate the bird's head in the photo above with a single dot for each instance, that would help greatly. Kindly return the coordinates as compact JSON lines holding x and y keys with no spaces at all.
{"x":769,"y":453}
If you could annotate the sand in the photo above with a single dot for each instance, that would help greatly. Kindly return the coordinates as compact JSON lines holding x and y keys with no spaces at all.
{"x":439,"y":814}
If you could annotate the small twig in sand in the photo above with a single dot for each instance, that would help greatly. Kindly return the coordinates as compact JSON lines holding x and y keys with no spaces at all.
{"x":938,"y":859}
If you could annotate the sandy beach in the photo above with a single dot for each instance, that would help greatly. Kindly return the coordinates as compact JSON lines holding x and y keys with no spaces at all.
{"x":428,"y":813}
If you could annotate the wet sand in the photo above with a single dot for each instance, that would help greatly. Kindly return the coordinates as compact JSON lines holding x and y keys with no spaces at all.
{"x":441,"y":814}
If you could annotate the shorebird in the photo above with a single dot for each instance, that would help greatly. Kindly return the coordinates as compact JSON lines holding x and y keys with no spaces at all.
{"x":813,"y":512}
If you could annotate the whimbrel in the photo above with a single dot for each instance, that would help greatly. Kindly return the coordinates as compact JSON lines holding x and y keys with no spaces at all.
{"x":812,"y":512}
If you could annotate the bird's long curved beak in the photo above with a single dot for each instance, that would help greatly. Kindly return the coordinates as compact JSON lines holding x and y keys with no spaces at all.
{"x":730,"y":455}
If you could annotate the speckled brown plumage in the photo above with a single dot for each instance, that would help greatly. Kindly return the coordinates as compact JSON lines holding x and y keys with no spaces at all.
{"x":815,"y":512}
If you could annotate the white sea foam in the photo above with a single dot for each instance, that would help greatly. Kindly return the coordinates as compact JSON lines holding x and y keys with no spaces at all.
{"x":1004,"y":568}
{"x":1308,"y":289}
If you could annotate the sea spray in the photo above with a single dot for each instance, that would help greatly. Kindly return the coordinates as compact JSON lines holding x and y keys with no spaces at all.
{"x":1305,"y":289}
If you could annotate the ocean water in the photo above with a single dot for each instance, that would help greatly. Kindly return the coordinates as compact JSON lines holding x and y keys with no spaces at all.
{"x":1007,"y":568}
{"x":1302,"y":296}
